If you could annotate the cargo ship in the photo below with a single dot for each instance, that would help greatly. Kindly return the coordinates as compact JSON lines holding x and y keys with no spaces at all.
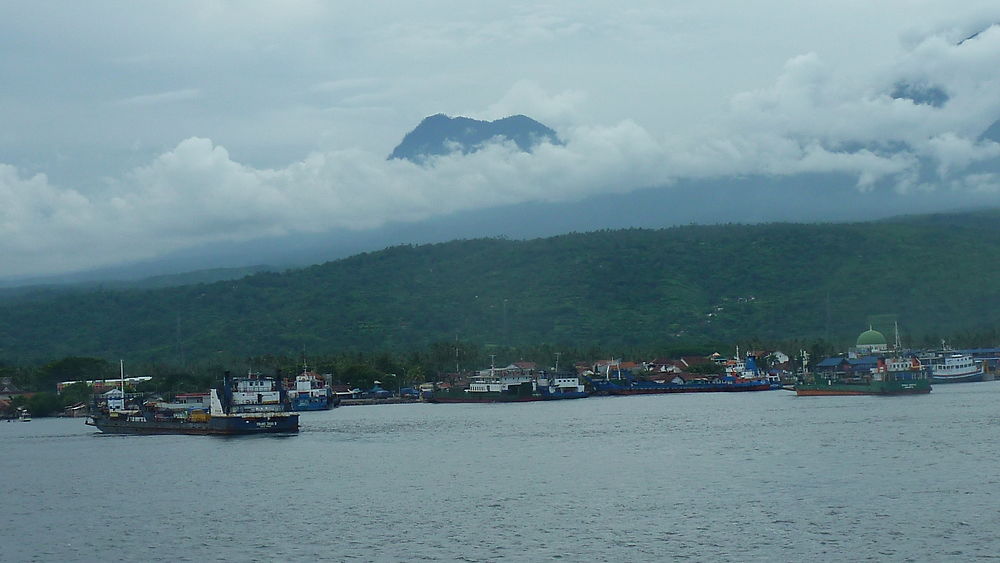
{"x":747,"y":370}
{"x":892,"y":376}
{"x":253,"y":404}
{"x":678,"y":384}
{"x":871,"y":368}
{"x":624,"y":383}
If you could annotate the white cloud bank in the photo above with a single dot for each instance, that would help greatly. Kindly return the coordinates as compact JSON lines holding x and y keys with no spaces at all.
{"x":815,"y":117}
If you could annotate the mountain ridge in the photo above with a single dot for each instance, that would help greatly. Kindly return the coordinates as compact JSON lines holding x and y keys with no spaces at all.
{"x":440,"y":134}
{"x":616,"y":289}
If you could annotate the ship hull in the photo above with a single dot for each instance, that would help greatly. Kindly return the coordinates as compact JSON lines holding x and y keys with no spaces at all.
{"x":958,"y":378}
{"x":564,"y":395}
{"x":662,"y":388}
{"x":482,"y":397}
{"x":225,"y":425}
{"x":314,"y":404}
{"x":916,"y":387}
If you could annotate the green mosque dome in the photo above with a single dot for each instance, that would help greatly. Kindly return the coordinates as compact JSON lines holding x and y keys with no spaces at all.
{"x":871,"y":337}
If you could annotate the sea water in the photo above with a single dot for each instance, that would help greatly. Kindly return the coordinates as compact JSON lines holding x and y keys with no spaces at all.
{"x":762,"y":476}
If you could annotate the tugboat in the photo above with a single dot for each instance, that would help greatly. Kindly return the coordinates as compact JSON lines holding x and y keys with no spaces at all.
{"x":244,"y":405}
{"x":24,"y":415}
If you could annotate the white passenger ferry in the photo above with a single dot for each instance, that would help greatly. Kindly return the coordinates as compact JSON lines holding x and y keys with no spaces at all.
{"x":956,"y":368}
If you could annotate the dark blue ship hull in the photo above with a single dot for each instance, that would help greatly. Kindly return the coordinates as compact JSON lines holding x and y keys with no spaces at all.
{"x":271,"y":423}
{"x":314,"y":403}
{"x":244,"y":424}
{"x":969,"y":378}
{"x":623,"y":387}
{"x":549,"y":396}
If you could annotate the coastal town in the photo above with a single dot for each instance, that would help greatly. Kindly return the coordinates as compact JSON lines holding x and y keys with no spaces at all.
{"x":873,"y":366}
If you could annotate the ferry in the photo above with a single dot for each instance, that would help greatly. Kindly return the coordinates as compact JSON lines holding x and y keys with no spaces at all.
{"x":491,"y":388}
{"x":956,"y":368}
{"x":516,"y":385}
{"x":555,"y":386}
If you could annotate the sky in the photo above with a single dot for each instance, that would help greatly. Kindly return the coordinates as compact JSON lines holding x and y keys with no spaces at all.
{"x":129,"y":130}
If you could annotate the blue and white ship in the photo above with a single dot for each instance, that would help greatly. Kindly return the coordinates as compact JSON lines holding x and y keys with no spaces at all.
{"x":956,"y":368}
{"x":554,"y":386}
{"x":312,"y":393}
{"x":747,"y":370}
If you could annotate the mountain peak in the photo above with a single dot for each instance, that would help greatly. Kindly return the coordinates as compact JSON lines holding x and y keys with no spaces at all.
{"x":440,"y":134}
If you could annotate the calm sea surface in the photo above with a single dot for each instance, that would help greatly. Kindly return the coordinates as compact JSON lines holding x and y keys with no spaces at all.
{"x":763,"y":476}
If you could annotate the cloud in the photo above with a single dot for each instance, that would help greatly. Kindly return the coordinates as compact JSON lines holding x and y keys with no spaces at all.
{"x":817,"y":117}
{"x":528,"y":98}
{"x":817,"y":114}
{"x":161,"y":98}
{"x":952,"y":152}
{"x":196,"y":193}
{"x":520,"y":27}
{"x":343,"y":85}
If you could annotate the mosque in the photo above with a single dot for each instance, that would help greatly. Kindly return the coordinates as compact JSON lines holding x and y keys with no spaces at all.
{"x":871,"y":342}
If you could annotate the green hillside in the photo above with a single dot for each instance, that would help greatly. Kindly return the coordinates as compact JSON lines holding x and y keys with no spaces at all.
{"x":612,"y":290}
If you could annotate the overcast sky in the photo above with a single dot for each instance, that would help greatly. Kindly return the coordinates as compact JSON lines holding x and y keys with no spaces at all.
{"x":131,"y":129}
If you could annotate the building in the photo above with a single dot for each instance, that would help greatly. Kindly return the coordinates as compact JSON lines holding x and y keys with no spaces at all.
{"x":870,"y":342}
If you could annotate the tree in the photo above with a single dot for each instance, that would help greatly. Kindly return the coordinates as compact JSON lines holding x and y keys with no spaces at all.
{"x":43,"y":404}
{"x":78,"y":392}
{"x":707,"y":368}
{"x":72,"y":369}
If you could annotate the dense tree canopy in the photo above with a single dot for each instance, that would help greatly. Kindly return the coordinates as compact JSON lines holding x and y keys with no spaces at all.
{"x":613,"y":291}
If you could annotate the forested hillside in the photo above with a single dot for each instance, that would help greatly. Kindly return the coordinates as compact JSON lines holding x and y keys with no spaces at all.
{"x":610,"y":290}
